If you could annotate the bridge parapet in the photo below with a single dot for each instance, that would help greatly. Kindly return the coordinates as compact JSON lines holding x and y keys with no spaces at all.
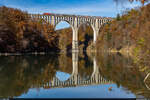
{"x":56,"y":83}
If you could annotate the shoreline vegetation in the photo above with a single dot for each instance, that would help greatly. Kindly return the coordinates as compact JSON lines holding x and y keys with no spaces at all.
{"x":129,"y":34}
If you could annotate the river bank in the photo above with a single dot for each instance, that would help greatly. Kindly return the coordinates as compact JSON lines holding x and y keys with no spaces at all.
{"x":129,"y":34}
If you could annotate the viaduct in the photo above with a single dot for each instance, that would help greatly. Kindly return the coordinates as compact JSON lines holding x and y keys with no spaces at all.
{"x":75,"y":22}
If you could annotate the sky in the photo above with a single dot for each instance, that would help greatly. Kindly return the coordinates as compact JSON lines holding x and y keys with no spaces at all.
{"x":103,"y":8}
{"x":106,"y":8}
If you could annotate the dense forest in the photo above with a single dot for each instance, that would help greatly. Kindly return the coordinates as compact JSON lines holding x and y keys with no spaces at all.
{"x":129,"y":34}
{"x":21,"y":34}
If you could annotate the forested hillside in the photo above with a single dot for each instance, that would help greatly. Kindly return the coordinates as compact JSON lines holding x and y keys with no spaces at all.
{"x":129,"y":33}
{"x":19,"y":34}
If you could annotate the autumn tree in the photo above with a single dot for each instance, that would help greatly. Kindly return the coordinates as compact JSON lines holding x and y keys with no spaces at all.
{"x":20,"y":33}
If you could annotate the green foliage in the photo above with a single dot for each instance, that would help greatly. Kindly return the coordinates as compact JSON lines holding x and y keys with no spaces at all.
{"x":141,"y":41}
{"x":118,"y":17}
{"x":109,"y":36}
{"x":136,"y":51}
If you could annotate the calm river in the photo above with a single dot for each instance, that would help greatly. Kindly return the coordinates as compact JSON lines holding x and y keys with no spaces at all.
{"x":71,"y":76}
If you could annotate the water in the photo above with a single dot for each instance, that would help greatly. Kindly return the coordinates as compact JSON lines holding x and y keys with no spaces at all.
{"x":71,"y":76}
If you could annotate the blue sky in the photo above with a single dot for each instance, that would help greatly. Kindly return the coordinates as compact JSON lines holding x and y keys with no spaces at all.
{"x":104,"y":8}
{"x":79,"y":7}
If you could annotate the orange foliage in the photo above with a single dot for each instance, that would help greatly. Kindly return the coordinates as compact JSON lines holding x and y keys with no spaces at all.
{"x":27,"y":35}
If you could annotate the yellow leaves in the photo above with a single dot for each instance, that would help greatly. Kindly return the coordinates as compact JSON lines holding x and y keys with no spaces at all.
{"x":143,"y":68}
{"x":141,"y":41}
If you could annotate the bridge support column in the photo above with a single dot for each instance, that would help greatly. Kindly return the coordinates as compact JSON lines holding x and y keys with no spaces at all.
{"x":95,"y":35}
{"x":75,"y":66}
{"x":95,"y":70}
{"x":75,"y":40}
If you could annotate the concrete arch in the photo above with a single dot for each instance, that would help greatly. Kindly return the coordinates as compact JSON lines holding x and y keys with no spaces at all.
{"x":87,"y":22}
{"x":64,"y":21}
{"x":95,"y":30}
{"x":74,"y":34}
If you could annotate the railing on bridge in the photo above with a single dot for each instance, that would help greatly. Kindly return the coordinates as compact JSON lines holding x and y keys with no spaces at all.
{"x":72,"y":82}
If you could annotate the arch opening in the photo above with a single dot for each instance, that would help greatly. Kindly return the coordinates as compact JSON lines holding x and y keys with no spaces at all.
{"x":64,"y":69}
{"x":64,"y":31}
{"x":62,"y":76}
{"x":85,"y":32}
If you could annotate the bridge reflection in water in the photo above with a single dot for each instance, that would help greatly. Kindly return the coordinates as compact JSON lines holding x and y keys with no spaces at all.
{"x":32,"y":75}
{"x":75,"y":79}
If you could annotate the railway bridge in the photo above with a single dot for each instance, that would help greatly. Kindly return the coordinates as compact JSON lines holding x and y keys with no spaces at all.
{"x":75,"y":22}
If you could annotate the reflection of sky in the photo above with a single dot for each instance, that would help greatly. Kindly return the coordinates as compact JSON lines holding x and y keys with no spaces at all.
{"x":95,"y":91}
{"x":62,"y":76}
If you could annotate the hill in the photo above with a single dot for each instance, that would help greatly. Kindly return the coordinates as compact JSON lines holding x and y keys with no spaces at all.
{"x":21,"y":34}
{"x":129,"y":33}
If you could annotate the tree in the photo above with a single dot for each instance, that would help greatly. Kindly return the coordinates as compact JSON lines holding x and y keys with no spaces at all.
{"x":123,"y":1}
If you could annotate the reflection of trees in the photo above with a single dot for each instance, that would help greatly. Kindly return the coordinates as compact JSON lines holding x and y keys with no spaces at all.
{"x":18,"y":74}
{"x":123,"y":71}
{"x":85,"y":67}
{"x":65,"y":63}
{"x":65,"y":38}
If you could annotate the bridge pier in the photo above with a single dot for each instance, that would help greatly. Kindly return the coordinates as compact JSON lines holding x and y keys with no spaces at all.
{"x":95,"y":73}
{"x":96,"y":31}
{"x":95,"y":35}
{"x":75,"y":67}
{"x":75,"y":47}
